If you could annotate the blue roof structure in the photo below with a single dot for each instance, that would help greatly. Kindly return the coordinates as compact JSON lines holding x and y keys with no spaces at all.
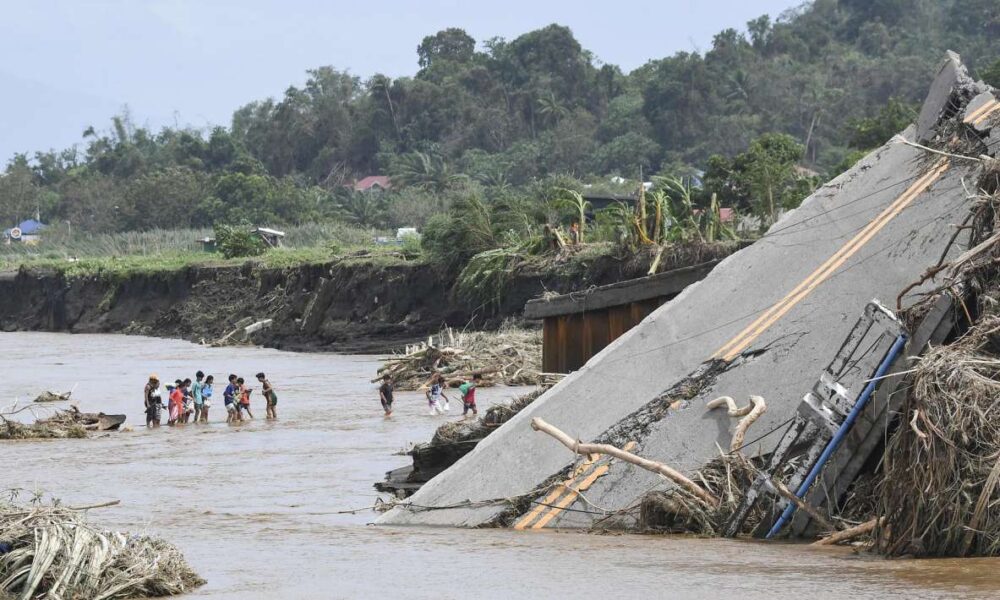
{"x":31,"y":227}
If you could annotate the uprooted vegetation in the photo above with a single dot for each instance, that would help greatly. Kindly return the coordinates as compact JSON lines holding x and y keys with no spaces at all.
{"x":51,"y":551}
{"x":511,"y":356}
{"x":939,"y":488}
{"x":63,"y":424}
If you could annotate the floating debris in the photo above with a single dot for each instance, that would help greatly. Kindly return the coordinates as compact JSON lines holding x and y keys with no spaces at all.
{"x":53,"y":397}
{"x":63,"y":424}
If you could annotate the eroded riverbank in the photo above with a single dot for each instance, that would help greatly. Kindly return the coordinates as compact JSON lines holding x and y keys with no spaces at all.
{"x":255,"y":508}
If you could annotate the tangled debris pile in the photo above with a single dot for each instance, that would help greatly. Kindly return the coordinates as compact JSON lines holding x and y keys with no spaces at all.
{"x":939,"y":491}
{"x":63,"y":424}
{"x":50,"y":551}
{"x":510,"y":355}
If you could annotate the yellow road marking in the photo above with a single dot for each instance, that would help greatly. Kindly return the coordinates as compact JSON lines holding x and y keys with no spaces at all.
{"x":974,"y":115}
{"x":571,"y":496}
{"x":566,"y":488}
{"x":736,"y":345}
{"x":559,"y":491}
{"x":979,"y":120}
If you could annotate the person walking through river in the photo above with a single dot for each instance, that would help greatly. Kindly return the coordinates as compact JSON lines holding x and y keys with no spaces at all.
{"x":188,"y":408}
{"x":244,"y":398}
{"x":267,"y":390}
{"x":435,"y":395}
{"x":468,"y":391}
{"x":153,"y":402}
{"x":229,"y":396}
{"x":385,"y":394}
{"x":196,"y":393}
{"x":176,"y":403}
{"x":206,"y":397}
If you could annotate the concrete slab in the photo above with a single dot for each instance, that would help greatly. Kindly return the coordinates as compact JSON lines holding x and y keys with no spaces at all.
{"x":866,"y":234}
{"x":979,"y":110}
{"x":940,"y":98}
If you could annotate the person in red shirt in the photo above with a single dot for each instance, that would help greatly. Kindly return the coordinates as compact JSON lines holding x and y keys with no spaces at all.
{"x":176,"y":402}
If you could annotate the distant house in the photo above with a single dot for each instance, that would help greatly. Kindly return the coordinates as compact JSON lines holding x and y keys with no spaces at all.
{"x":271,"y":237}
{"x":373,"y":183}
{"x":28,"y":232}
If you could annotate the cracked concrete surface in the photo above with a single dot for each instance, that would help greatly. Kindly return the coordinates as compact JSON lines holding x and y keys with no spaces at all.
{"x":781,"y":362}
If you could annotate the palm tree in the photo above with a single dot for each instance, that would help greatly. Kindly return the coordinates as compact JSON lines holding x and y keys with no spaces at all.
{"x":426,"y":171}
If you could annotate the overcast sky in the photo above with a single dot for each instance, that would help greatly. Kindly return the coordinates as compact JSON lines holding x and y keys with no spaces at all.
{"x":67,"y":64}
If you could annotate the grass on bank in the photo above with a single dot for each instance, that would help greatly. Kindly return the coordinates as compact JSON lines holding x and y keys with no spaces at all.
{"x":168,"y":250}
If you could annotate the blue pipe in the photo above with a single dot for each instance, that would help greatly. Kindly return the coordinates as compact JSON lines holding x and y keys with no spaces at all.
{"x":838,"y":437}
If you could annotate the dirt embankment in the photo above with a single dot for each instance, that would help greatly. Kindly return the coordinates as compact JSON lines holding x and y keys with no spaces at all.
{"x":346,"y":306}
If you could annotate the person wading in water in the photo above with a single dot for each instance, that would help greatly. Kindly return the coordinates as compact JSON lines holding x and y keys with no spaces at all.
{"x":267,"y":390}
{"x":153,"y":401}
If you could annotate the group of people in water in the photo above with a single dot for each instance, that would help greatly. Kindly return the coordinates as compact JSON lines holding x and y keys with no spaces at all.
{"x":437,"y":401}
{"x":188,"y":401}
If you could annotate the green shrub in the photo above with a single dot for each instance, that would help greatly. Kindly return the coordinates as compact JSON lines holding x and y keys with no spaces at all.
{"x":238,"y":242}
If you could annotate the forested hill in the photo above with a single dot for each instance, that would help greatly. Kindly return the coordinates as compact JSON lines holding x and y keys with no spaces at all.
{"x":504,"y":114}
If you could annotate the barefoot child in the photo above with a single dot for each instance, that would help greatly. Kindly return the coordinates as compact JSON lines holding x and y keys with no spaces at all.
{"x":435,"y":395}
{"x":176,"y":402}
{"x":244,"y":397}
{"x":267,"y":390}
{"x":385,"y":394}
{"x":206,"y":394}
{"x":468,"y":391}
{"x":229,"y":396}
{"x":198,"y":395}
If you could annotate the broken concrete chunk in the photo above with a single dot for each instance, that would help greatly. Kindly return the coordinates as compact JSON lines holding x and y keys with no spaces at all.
{"x":951,"y":74}
{"x":978,"y":112}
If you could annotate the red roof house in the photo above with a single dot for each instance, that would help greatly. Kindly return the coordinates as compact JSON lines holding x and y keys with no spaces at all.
{"x":380,"y":182}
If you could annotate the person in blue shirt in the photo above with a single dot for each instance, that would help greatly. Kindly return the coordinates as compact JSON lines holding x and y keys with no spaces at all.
{"x":229,"y":396}
{"x":206,"y":397}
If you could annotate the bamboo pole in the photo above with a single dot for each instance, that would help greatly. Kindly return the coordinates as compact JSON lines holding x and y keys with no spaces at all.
{"x":578,"y":447}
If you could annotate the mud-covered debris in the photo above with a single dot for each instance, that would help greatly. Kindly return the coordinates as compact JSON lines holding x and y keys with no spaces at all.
{"x":53,"y":397}
{"x":63,"y":424}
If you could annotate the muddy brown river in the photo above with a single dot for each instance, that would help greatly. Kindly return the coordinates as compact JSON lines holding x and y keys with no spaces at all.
{"x":256,"y":508}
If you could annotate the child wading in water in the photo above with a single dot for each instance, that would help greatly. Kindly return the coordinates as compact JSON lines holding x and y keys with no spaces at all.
{"x":385,"y":394}
{"x":244,"y":396}
{"x":197,"y":394}
{"x":468,"y":391}
{"x":268,"y":392}
{"x":206,"y":395}
{"x":435,"y":395}
{"x":176,"y":402}
{"x":229,"y":396}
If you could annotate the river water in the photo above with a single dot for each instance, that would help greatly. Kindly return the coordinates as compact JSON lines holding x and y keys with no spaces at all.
{"x":255,"y":507}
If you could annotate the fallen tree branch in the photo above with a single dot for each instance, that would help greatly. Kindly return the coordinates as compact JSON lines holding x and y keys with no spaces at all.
{"x":849,"y":534}
{"x":90,"y":506}
{"x":759,"y":406}
{"x":580,"y":448}
{"x":750,"y":413}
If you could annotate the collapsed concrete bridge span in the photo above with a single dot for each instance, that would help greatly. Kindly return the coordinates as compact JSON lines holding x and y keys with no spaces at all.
{"x":765,"y":321}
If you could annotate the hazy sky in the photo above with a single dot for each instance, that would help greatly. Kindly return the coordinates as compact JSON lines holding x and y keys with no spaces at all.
{"x":67,"y":64}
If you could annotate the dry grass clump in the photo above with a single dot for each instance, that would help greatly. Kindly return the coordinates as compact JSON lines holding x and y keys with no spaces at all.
{"x":54,"y":553}
{"x":939,"y":493}
{"x":510,"y":355}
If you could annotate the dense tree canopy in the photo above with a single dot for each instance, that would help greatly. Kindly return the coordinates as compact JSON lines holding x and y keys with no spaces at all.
{"x":495,"y":116}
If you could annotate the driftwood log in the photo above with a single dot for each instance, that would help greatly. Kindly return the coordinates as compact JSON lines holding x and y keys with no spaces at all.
{"x":849,"y":534}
